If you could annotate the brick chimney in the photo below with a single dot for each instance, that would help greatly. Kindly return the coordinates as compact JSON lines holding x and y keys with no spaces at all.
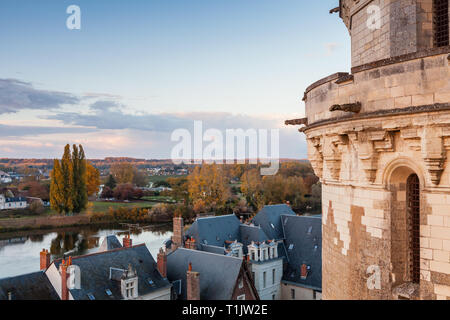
{"x":64,"y":277}
{"x":162,"y":263}
{"x":45,"y":259}
{"x":191,"y":244}
{"x":303,"y":271}
{"x":127,"y":241}
{"x":178,"y":231}
{"x":192,"y":284}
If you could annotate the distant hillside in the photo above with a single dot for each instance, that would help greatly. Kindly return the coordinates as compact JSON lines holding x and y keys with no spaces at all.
{"x":99,"y":163}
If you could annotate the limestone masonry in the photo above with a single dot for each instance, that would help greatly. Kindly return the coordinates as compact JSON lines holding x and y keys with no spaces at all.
{"x":379,"y":139}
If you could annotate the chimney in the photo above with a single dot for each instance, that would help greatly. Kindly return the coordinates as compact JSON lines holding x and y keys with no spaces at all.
{"x":127,"y":241}
{"x":178,"y":230}
{"x":162,"y":263}
{"x":64,"y":278}
{"x":45,"y":259}
{"x":192,"y":284}
{"x":303,"y":272}
{"x":190,"y":244}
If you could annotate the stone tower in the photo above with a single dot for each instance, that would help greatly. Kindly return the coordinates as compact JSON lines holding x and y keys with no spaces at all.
{"x":379,"y":140}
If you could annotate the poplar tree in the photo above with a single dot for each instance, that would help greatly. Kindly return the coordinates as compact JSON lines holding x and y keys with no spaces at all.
{"x":61,"y":192}
{"x":80,"y":196}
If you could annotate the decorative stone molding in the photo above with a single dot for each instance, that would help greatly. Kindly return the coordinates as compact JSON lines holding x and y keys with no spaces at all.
{"x":332,"y":153}
{"x":433,"y":152}
{"x":315,"y":155}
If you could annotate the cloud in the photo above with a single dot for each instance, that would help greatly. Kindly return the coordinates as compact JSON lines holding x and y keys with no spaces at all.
{"x":16,"y":95}
{"x":110,"y":115}
{"x":7,"y":131}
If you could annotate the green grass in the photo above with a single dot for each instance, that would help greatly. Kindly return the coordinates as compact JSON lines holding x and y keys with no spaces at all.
{"x":99,"y":206}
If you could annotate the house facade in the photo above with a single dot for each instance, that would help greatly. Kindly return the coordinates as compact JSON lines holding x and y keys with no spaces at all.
{"x":12,"y":203}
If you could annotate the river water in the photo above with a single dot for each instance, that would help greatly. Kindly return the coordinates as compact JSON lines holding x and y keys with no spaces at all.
{"x":19,"y":251}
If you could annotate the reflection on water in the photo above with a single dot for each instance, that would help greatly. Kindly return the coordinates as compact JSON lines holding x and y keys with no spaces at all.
{"x":19,"y":254}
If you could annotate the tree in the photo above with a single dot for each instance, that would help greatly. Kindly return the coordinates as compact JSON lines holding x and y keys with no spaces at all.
{"x":124,"y":191}
{"x":139,"y":178}
{"x":35,"y":189}
{"x":208,"y":186}
{"x":252,"y":188}
{"x":92,"y":179}
{"x":123,"y":172}
{"x":68,"y":189}
{"x":107,"y":193}
{"x":111,"y":182}
{"x":79,"y":176}
{"x":61,"y":193}
{"x":36,"y":207}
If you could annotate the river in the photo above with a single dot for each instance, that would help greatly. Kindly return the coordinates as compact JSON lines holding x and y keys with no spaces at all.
{"x":19,"y":251}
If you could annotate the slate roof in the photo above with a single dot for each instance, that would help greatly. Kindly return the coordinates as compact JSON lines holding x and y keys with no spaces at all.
{"x":269,"y":220}
{"x":218,"y":273}
{"x":110,"y":243}
{"x":95,"y":272}
{"x":249,"y":234}
{"x":303,"y":241}
{"x":32,"y":286}
{"x":15,"y":199}
{"x":215,"y":230}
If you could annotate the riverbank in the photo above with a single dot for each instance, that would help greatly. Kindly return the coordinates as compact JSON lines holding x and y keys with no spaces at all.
{"x":54,"y":222}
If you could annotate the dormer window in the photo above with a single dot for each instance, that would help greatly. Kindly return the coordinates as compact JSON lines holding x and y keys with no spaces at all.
{"x":130,"y":290}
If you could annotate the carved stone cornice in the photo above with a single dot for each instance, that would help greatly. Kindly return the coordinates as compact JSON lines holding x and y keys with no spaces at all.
{"x":433,"y":152}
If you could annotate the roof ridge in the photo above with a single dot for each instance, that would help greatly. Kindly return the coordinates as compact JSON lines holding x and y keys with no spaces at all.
{"x":103,"y":252}
{"x":206,"y":252}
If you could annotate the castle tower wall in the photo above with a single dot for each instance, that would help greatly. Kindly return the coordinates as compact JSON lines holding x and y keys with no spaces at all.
{"x":379,"y":140}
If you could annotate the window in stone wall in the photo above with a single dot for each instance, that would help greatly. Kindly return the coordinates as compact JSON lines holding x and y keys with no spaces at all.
{"x":413,"y":198}
{"x":440,"y":23}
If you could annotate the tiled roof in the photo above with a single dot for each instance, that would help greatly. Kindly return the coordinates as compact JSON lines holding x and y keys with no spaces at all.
{"x":95,"y":272}
{"x":218,"y":273}
{"x":215,"y":230}
{"x":16,"y":199}
{"x":32,"y":286}
{"x":303,"y":242}
{"x":110,"y":243}
{"x":269,"y":220}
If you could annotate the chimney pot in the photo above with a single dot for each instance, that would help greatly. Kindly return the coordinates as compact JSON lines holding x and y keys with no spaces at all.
{"x":127,"y":241}
{"x":192,"y":284}
{"x":44,"y":259}
{"x":162,"y":263}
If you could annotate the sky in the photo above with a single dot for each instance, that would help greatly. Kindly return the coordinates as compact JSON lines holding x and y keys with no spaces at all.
{"x":139,"y":69}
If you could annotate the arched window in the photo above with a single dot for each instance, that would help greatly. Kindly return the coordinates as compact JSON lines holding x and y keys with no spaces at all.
{"x":413,"y":216}
{"x":440,"y":23}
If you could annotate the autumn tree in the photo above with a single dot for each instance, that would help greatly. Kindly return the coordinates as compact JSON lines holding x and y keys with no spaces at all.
{"x":68,"y":189}
{"x":35,"y":189}
{"x":61,"y":192}
{"x":123,"y":172}
{"x":252,"y":188}
{"x":92,"y":179}
{"x":208,"y":186}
